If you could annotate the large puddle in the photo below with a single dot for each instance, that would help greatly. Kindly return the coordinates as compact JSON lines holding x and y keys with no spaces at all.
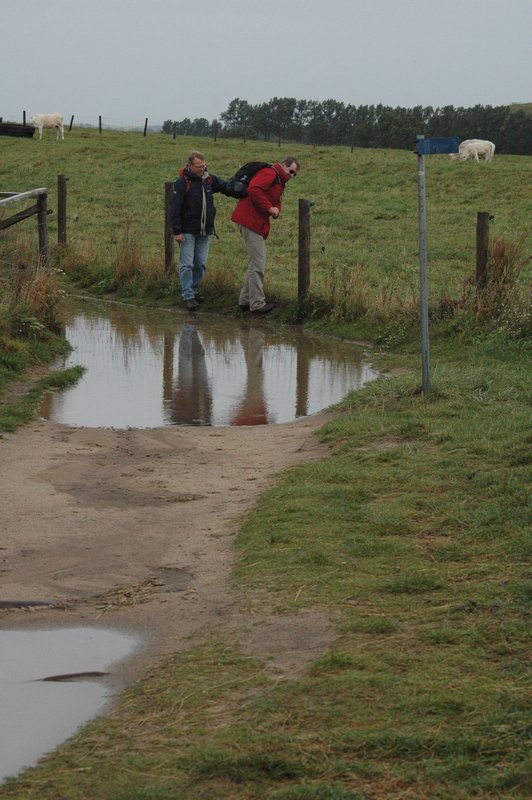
{"x":149,"y":369}
{"x":47,"y":690}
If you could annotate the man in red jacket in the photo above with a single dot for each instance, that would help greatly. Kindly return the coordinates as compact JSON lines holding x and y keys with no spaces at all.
{"x":252,"y":218}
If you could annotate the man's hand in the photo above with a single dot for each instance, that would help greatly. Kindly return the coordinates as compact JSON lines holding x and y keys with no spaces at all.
{"x":273,"y":212}
{"x":179,"y":237}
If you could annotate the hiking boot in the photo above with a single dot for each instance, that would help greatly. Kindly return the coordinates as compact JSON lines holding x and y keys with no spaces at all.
{"x":199,"y":298}
{"x":243,"y":306}
{"x":265,"y":309}
{"x":191,"y":304}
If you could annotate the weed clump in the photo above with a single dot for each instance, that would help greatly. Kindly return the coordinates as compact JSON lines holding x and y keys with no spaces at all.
{"x":30,"y":302}
{"x":500,"y":299}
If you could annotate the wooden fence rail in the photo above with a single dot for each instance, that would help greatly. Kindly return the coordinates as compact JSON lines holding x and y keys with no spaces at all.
{"x":40,"y":210}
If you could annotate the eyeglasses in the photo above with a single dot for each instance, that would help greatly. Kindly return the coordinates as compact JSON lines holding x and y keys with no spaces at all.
{"x":292,"y":172}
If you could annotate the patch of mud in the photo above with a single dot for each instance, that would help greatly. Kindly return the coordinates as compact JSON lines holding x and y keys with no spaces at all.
{"x":136,"y":527}
{"x":287,"y":644}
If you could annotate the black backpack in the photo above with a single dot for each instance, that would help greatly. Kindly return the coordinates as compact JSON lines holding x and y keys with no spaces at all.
{"x":237,"y":185}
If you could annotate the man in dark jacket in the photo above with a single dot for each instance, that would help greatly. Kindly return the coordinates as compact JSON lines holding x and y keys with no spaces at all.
{"x":192,"y":220}
{"x":252,"y":218}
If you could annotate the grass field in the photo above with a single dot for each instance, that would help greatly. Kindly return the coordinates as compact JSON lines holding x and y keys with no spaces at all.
{"x":412,"y":537}
{"x":364,"y":218}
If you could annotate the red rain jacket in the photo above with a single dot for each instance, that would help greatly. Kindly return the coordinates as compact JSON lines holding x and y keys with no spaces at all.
{"x":265,"y":190}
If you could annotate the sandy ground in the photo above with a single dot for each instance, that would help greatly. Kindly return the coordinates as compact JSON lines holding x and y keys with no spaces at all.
{"x":134,"y":530}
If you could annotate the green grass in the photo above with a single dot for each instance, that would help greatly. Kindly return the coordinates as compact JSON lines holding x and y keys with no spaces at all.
{"x":364,"y":217}
{"x":22,"y":409}
{"x":412,"y":538}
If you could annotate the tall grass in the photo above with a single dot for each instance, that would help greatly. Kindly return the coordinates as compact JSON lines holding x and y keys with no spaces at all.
{"x":30,"y":331}
{"x":504,"y":297}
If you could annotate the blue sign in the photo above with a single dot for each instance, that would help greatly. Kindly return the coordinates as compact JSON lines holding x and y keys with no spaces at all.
{"x":429,"y":147}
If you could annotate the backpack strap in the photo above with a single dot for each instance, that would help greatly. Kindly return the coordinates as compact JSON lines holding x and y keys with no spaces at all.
{"x":188,"y":182}
{"x":277,"y":178}
{"x":185,"y":178}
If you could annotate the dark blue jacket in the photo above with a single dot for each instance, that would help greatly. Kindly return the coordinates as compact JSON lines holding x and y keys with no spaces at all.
{"x":191,"y":195}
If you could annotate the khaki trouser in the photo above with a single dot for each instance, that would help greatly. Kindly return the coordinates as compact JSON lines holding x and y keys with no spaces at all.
{"x":252,"y":292}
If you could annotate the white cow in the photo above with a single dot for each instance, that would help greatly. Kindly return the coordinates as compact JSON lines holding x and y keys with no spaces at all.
{"x":474,"y":148}
{"x":41,"y":121}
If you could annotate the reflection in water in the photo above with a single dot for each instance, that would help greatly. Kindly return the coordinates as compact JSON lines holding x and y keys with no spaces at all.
{"x":148,"y":368}
{"x":251,"y":409}
{"x":189,"y":399}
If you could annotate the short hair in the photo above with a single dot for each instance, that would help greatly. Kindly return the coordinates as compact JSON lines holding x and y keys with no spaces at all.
{"x":193,"y":155}
{"x":287,"y":160}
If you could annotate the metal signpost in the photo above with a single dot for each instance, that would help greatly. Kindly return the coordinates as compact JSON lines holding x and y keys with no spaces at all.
{"x":425,"y":147}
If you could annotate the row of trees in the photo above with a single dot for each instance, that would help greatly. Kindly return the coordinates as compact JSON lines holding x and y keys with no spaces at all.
{"x":333,"y":122}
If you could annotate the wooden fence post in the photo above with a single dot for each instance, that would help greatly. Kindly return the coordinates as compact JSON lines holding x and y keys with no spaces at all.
{"x":145,"y":125}
{"x":303,"y":266}
{"x":71,"y":122}
{"x":483,"y":232}
{"x":100,"y":124}
{"x":168,"y":235}
{"x":42,"y":225}
{"x":23,"y":117}
{"x":174,"y":130}
{"x":62,"y":209}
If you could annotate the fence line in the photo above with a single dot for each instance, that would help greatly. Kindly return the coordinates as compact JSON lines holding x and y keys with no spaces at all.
{"x":101,"y":126}
{"x":41,"y":210}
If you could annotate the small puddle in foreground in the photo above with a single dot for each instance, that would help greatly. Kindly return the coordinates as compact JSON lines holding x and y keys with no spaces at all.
{"x":148,"y":368}
{"x":37,"y":715}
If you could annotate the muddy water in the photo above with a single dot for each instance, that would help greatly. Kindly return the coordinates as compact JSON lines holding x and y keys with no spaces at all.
{"x":38,"y":713}
{"x":152,"y":368}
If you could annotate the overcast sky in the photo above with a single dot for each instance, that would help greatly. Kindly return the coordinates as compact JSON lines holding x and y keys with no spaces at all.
{"x":168,"y":59}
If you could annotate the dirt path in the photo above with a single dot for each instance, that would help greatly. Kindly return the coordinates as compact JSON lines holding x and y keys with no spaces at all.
{"x":134,"y":529}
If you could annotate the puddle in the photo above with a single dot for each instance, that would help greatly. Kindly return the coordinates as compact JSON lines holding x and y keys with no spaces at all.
{"x":150,"y":368}
{"x":38,"y":714}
